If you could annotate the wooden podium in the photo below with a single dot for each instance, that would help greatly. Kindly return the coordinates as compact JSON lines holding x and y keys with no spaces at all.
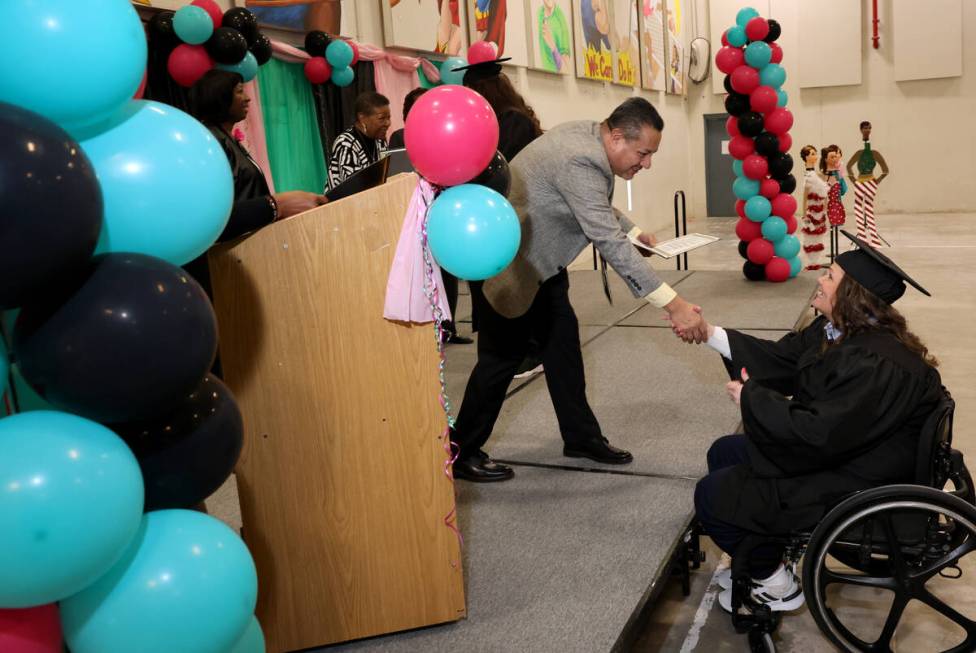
{"x":341,"y":480}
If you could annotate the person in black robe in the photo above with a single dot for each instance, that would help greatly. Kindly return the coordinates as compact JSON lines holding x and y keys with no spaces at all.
{"x":833,"y":409}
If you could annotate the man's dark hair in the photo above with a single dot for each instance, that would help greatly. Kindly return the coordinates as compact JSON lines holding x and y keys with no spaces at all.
{"x":865,"y":123}
{"x":410,"y":99}
{"x":632,"y":115}
{"x":211,"y":96}
{"x":369,"y":102}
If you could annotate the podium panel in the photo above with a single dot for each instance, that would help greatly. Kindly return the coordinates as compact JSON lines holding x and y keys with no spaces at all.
{"x":341,"y":479}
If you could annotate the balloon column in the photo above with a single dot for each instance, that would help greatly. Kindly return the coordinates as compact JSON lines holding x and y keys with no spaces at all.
{"x":330,"y":59}
{"x":758,"y":126}
{"x":104,"y":196}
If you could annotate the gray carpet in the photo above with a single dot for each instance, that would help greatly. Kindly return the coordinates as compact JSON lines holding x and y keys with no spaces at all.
{"x":554,"y":561}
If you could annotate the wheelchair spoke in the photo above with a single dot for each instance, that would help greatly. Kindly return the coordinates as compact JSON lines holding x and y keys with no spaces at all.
{"x":949,"y":559}
{"x":860,"y":581}
{"x":894,"y":616}
{"x":948,"y":612}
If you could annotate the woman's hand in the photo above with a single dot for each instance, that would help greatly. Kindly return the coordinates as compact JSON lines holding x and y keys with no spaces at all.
{"x":297,"y":201}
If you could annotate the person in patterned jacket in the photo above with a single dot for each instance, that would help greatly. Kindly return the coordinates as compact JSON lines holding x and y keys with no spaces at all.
{"x":363,"y":143}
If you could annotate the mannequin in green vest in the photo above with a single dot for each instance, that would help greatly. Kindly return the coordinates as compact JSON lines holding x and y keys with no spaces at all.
{"x":866,"y":186}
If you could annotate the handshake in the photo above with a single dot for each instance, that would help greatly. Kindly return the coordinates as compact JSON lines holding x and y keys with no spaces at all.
{"x":686,"y":321}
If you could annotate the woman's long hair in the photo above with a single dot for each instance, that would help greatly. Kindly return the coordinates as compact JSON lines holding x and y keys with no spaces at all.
{"x":502,"y":97}
{"x":858,"y":310}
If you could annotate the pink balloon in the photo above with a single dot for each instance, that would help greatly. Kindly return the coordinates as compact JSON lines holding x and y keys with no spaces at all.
{"x":740,"y":208}
{"x":777,"y":269}
{"x":318,"y":70}
{"x":748,"y":230}
{"x":777,"y":53}
{"x":729,"y":58}
{"x":732,"y":126}
{"x":725,"y":39}
{"x":768,"y":188}
{"x":31,"y":630}
{"x":745,"y":79}
{"x":741,"y":146}
{"x":355,"y":52}
{"x":481,"y":51}
{"x":755,"y":166}
{"x":451,"y":135}
{"x":212,"y":9}
{"x":784,"y":205}
{"x":187,"y":63}
{"x":785,"y":143}
{"x":142,"y":86}
{"x":760,"y":251}
{"x":757,"y":29}
{"x":778,"y":121}
{"x":763,"y":99}
{"x":791,"y":224}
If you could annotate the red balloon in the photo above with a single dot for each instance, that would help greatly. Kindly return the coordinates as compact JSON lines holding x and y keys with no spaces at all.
{"x":785,"y":143}
{"x":791,"y":224}
{"x":763,"y":99}
{"x":757,"y":29}
{"x":740,"y":208}
{"x":187,"y":63}
{"x":755,"y":166}
{"x":732,"y":126}
{"x":777,"y":53}
{"x":31,"y":630}
{"x":748,"y":230}
{"x":728,"y":59}
{"x":481,"y":51}
{"x":778,"y":269}
{"x":142,"y":86}
{"x":778,"y":121}
{"x":355,"y":52}
{"x":212,"y":9}
{"x":760,"y":251}
{"x":768,"y":188}
{"x":741,"y":146}
{"x":318,"y":70}
{"x":745,"y":79}
{"x":783,"y":205}
{"x":725,"y":39}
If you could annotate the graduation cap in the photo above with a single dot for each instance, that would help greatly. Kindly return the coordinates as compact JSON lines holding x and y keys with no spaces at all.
{"x":875,"y":271}
{"x":482,"y":70}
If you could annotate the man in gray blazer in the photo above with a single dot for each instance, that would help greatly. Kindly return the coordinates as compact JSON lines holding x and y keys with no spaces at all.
{"x":562,"y":186}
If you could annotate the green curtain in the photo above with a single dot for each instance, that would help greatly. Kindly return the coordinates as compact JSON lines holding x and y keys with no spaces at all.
{"x":291,"y":127}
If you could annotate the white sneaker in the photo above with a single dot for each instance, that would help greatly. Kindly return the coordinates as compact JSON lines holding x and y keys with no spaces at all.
{"x":526,"y":374}
{"x":724,"y":577}
{"x":781,"y":592}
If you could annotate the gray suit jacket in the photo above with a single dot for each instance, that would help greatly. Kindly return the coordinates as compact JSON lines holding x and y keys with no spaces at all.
{"x":562,"y":188}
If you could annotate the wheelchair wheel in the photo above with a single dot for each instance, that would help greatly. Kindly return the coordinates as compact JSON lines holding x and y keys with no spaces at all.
{"x":761,"y":643}
{"x":899,"y":537}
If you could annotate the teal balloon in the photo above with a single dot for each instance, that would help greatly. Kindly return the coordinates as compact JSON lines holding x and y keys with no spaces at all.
{"x":192,"y":24}
{"x":737,"y":168}
{"x":736,"y":36}
{"x":744,"y":188}
{"x":758,"y":208}
{"x":787,"y":247}
{"x":247,"y":67}
{"x":166,"y":183}
{"x":473,"y":231}
{"x":773,"y":75}
{"x":774,"y":229}
{"x":744,"y":16}
{"x":758,"y":55}
{"x":343,"y":76}
{"x":795,"y":266}
{"x":448,"y":76}
{"x":339,"y":54}
{"x":75,"y":63}
{"x":186,"y":583}
{"x":70,"y":504}
{"x":4,"y":367}
{"x":252,"y":641}
{"x":783,"y":98}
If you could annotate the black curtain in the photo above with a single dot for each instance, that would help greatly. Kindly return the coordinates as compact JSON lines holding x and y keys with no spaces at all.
{"x":334,"y":105}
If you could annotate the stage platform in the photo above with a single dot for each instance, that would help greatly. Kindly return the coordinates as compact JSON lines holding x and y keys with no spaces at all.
{"x":567,"y":555}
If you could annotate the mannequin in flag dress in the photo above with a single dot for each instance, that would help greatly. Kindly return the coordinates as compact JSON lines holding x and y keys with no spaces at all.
{"x":866,"y":186}
{"x":814,"y":227}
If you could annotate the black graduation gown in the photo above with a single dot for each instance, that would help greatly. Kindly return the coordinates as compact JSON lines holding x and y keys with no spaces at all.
{"x":822,"y":423}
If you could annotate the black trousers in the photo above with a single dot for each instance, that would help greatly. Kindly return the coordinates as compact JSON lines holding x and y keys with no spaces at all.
{"x":502,"y":344}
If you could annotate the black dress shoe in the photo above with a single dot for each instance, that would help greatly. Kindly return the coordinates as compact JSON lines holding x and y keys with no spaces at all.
{"x":481,"y":469}
{"x":599,"y":450}
{"x":455,"y":339}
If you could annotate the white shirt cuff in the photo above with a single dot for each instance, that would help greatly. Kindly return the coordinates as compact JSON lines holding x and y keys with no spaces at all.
{"x":661,"y":297}
{"x":634,"y":233}
{"x":719,"y":341}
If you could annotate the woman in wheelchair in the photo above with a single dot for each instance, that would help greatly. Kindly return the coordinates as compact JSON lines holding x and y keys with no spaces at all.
{"x":827,"y":411}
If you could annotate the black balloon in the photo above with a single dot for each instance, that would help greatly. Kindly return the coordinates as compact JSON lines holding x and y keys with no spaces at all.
{"x":727,"y":83}
{"x":787,"y":184}
{"x":753,"y":271}
{"x":187,"y":455}
{"x":316,"y":42}
{"x":242,"y":20}
{"x":496,"y":176}
{"x":767,"y":144}
{"x":127,"y":340}
{"x":226,"y":46}
{"x":750,"y":123}
{"x":743,"y":246}
{"x":161,"y":32}
{"x":780,"y":165}
{"x":261,"y":49}
{"x":50,"y":206}
{"x":774,"y":31}
{"x":736,"y":104}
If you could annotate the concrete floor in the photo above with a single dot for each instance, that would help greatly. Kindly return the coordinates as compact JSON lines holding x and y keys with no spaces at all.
{"x":937,"y":251}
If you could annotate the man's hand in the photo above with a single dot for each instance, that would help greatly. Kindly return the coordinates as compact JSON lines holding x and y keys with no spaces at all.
{"x":686,"y":320}
{"x":649,"y":240}
{"x":734,"y":388}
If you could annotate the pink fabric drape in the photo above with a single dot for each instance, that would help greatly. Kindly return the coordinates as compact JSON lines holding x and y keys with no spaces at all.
{"x":253,"y":129}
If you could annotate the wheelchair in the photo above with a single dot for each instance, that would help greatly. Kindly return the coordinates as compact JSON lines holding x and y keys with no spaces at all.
{"x":889,"y":540}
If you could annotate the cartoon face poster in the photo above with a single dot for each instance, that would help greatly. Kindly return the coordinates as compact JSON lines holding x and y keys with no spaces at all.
{"x":594,"y":55}
{"x":676,"y":51}
{"x":652,"y":44}
{"x":330,"y":16}
{"x":624,"y":37}
{"x":503,"y":23}
{"x":425,"y":25}
{"x":550,"y":36}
